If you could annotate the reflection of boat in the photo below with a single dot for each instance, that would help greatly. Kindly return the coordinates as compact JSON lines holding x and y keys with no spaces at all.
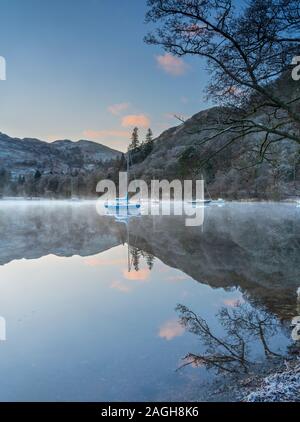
{"x":123,"y":213}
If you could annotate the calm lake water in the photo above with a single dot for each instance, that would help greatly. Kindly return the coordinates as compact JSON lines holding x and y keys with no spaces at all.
{"x":90,"y":301}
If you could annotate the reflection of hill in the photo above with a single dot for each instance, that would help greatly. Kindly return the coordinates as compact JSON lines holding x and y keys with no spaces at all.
{"x":256,"y":247}
{"x":29,"y":231}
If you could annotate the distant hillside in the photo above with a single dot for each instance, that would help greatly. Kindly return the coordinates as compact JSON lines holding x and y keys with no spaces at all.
{"x":61,"y":169}
{"x":25,"y":156}
{"x":231,"y":172}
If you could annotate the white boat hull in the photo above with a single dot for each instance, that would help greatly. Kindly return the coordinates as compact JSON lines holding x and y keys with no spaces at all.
{"x":200,"y":202}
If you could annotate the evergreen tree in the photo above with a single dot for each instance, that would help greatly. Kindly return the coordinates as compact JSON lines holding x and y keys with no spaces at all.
{"x":121,"y":163}
{"x":135,"y":143}
{"x":148,"y":144}
{"x":149,"y":137}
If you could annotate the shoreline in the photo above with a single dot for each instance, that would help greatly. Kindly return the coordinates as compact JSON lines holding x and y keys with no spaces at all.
{"x":282,"y":385}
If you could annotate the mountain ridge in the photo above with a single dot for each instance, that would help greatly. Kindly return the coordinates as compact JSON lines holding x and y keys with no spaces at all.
{"x":27,"y":155}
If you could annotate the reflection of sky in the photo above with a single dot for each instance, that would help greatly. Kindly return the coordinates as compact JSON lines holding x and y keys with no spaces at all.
{"x":81,"y":328}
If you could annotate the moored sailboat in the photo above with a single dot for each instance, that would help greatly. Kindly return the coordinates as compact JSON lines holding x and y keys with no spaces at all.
{"x":123,"y":202}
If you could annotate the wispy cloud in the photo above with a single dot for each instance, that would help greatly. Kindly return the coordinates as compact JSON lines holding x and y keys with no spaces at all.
{"x":171,"y":329}
{"x":117,"y":109}
{"x":102,"y":134}
{"x":172,"y":65}
{"x":140,"y":120}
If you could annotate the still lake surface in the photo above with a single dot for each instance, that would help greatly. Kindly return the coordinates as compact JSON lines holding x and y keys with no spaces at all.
{"x":90,"y":301}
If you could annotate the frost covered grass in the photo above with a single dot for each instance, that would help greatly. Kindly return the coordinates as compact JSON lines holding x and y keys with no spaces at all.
{"x":279,"y":387}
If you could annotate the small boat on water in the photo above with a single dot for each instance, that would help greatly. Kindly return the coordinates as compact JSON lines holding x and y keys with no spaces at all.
{"x":200,"y":201}
{"x":123,"y":203}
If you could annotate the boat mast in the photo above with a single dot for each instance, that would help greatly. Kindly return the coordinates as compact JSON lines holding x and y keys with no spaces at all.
{"x":127,"y":173}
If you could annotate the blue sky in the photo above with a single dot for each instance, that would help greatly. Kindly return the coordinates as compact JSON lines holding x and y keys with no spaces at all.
{"x":79,"y":69}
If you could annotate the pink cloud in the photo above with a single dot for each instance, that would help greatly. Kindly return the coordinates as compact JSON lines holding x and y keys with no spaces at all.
{"x":171,"y":329}
{"x":117,"y":109}
{"x":141,"y":275}
{"x":100,"y":134}
{"x":171,"y":64}
{"x":136,"y":120}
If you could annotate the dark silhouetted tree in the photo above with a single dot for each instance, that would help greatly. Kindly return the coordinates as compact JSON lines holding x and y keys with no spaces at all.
{"x":249,"y":50}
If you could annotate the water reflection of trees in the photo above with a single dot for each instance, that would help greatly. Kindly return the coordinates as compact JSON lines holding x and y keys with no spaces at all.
{"x":137,"y":254}
{"x":231,"y":352}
